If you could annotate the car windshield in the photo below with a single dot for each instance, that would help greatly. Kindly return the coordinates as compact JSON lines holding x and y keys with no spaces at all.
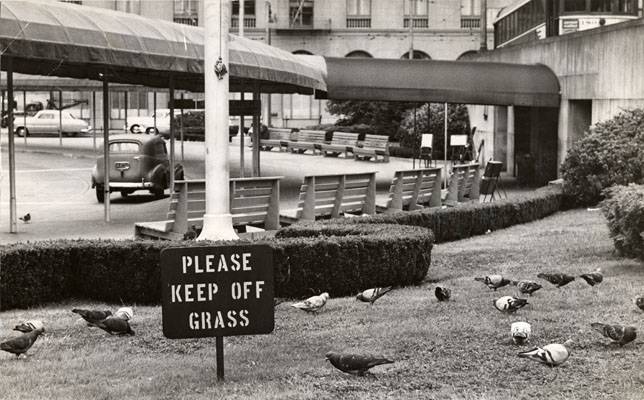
{"x":124,"y":147}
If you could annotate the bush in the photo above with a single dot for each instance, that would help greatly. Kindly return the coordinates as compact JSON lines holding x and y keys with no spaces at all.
{"x":468,"y":220}
{"x":611,"y":154}
{"x":382,"y":117}
{"x":624,"y":210}
{"x":307,"y":260}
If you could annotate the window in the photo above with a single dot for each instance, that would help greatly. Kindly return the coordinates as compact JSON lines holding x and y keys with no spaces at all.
{"x":418,"y":55}
{"x":128,"y":6}
{"x":124,"y":147}
{"x":46,"y":116}
{"x":574,"y":5}
{"x":470,"y":7}
{"x":186,"y":12}
{"x":249,"y":7}
{"x":301,"y":13}
{"x":418,"y":12}
{"x":359,"y":8}
{"x":358,"y":54}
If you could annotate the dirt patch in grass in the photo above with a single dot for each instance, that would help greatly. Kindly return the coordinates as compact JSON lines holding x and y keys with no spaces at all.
{"x":455,"y":350}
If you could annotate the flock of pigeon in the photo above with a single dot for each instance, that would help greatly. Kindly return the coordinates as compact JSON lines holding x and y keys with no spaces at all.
{"x":552,"y":354}
{"x":116,"y":324}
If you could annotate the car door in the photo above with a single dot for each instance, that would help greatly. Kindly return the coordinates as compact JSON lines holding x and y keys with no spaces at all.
{"x":44,"y":123}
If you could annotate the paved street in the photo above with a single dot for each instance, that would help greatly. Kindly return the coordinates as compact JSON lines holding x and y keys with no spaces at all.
{"x":53,"y":184}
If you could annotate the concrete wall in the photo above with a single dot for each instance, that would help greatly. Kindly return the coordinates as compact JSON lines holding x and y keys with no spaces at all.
{"x":604,"y":66}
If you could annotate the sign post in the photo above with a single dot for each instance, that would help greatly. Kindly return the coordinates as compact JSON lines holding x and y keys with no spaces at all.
{"x":217,"y":291}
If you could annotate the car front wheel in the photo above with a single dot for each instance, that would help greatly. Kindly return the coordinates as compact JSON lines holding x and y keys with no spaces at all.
{"x":152,"y":131}
{"x":22,"y":132}
{"x":135,"y":129}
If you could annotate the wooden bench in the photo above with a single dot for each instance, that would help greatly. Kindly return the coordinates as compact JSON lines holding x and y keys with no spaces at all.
{"x":463,"y":184}
{"x":341,"y":142}
{"x":324,"y":196}
{"x":414,"y":189}
{"x":253,"y":201}
{"x":277,"y":137}
{"x":372,"y":146}
{"x":307,"y":140}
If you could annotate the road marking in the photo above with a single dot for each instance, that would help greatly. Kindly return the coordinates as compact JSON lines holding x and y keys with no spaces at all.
{"x":28,"y":171}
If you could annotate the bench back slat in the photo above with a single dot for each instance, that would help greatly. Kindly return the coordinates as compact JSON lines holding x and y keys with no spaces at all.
{"x":279,"y":133}
{"x":345,"y":138}
{"x":411,"y":189}
{"x":310,"y":136}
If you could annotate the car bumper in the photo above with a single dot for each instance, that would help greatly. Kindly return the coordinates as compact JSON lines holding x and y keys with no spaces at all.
{"x":131,"y":185}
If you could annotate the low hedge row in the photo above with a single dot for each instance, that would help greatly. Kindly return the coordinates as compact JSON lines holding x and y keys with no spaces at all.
{"x":624,"y":211}
{"x":468,"y":220}
{"x":338,"y":258}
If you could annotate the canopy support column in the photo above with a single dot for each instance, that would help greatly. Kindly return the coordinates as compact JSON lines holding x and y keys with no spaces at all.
{"x":94,"y":119}
{"x":445,"y":150}
{"x":106,"y":146}
{"x":217,"y":221}
{"x":60,"y":118}
{"x":13,"y":226}
{"x":257,"y":130}
{"x":509,"y":161}
{"x":171,"y":95}
{"x":24,"y":112}
{"x":242,"y":160}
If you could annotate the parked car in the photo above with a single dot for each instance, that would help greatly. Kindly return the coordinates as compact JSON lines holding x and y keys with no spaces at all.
{"x":48,"y":122}
{"x":137,"y":162}
{"x":193,"y":122}
{"x":5,"y":118}
{"x":146,"y":123}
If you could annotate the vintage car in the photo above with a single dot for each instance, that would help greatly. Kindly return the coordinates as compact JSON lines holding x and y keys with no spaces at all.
{"x":48,"y":122}
{"x":146,"y":123}
{"x":137,"y":162}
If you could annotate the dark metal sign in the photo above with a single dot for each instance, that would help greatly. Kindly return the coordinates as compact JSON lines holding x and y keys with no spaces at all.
{"x":217,"y":291}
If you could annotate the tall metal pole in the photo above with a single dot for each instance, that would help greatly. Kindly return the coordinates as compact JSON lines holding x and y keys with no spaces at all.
{"x":94,"y":119}
{"x":483,"y":25}
{"x":268,"y":42}
{"x":24,"y":112}
{"x":154,"y":111}
{"x":181,"y":132}
{"x":60,"y":117}
{"x":242,"y":160}
{"x":171,"y":95}
{"x":445,"y":149}
{"x":106,"y":147}
{"x":13,"y":226}
{"x":217,"y":222}
{"x":257,"y":130}
{"x":125,"y":107}
{"x":411,"y":32}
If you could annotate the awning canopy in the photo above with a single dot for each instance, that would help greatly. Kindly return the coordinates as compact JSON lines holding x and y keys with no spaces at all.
{"x":465,"y":82}
{"x":67,"y":40}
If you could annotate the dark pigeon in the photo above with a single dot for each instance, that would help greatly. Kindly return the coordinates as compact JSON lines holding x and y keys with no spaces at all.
{"x":593,"y":278}
{"x":639,"y":302}
{"x":191,"y":233}
{"x":442,"y":293}
{"x":92,"y":316}
{"x":528,"y":287}
{"x":373,"y":294}
{"x":558,"y":279}
{"x":617,"y":333}
{"x":354,"y":363}
{"x":115,"y":326}
{"x":494,"y":281}
{"x":26,"y":218}
{"x":21,"y":344}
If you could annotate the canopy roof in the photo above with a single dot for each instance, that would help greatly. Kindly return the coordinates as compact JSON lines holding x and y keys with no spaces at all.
{"x":67,"y":40}
{"x":466,"y":82}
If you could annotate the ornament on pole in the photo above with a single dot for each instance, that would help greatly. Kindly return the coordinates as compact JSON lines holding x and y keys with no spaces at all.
{"x":220,"y":69}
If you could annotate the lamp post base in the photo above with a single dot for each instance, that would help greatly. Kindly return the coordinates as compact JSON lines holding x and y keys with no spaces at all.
{"x":218,"y":227}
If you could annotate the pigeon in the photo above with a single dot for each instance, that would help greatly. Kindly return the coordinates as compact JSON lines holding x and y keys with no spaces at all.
{"x":442,"y":293}
{"x":509,"y":304}
{"x":371,"y":295}
{"x":494,"y":281}
{"x":21,"y":344}
{"x":30,"y":325}
{"x":191,"y":233}
{"x":125,"y":313}
{"x":639,"y":302}
{"x":92,"y":316}
{"x":354,"y":363}
{"x":115,"y":326}
{"x":25,"y":218}
{"x":558,"y":279}
{"x":553,"y":354}
{"x":617,"y":333}
{"x":593,"y":278}
{"x":312,"y":304}
{"x":527,"y":287}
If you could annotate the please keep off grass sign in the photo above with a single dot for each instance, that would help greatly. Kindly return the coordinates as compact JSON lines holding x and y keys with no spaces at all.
{"x":217,"y":291}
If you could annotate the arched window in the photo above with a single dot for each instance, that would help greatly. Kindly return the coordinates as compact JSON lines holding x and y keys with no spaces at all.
{"x":467,"y":55}
{"x":305,"y":52}
{"x":418,"y":55}
{"x":358,"y":54}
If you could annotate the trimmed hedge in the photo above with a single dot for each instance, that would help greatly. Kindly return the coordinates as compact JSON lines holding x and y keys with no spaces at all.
{"x":467,"y":220}
{"x":624,"y":211}
{"x":339,"y":259}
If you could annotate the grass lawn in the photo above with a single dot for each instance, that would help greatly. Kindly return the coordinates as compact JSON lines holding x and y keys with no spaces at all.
{"x":455,"y":350}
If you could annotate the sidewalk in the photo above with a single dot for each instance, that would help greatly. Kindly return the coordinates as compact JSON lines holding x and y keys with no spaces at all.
{"x":292,"y":167}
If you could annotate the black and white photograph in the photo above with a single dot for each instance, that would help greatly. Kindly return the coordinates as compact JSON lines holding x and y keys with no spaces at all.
{"x":321,"y":199}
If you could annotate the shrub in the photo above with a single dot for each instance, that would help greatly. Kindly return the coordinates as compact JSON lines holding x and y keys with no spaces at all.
{"x":383,"y":117}
{"x":468,"y":220}
{"x":611,"y":154}
{"x":624,"y":210}
{"x":338,"y":259}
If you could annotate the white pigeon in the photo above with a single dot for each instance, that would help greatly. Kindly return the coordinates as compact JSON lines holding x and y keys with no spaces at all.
{"x":312,"y":304}
{"x":509,"y":304}
{"x":553,"y":354}
{"x":373,"y":294}
{"x":29,"y":325}
{"x":125,"y":313}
